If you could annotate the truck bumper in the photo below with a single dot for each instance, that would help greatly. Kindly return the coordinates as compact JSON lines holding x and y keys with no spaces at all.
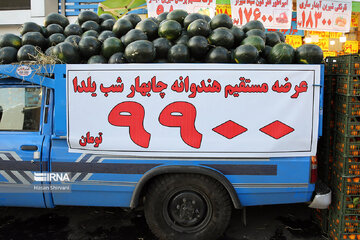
{"x":322,"y":198}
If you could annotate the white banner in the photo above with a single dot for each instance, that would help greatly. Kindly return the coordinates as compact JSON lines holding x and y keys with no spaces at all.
{"x":320,"y":15}
{"x":275,"y":14}
{"x":194,"y":110}
{"x":156,"y":7}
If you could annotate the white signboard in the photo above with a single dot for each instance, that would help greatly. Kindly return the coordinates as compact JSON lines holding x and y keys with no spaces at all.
{"x":275,"y":14}
{"x":156,"y":7}
{"x":320,"y":15}
{"x":193,"y":110}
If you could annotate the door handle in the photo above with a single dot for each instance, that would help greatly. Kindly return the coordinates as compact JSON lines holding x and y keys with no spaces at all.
{"x":29,"y":147}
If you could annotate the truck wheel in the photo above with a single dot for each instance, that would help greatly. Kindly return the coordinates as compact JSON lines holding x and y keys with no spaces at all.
{"x":187,"y":206}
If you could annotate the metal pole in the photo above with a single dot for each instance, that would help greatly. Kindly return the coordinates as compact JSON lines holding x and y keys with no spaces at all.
{"x":63,"y":7}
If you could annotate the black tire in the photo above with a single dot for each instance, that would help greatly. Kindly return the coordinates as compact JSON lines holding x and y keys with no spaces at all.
{"x":173,"y":200}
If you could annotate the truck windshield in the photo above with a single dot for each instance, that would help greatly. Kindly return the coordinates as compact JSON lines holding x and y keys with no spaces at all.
{"x":20,"y":108}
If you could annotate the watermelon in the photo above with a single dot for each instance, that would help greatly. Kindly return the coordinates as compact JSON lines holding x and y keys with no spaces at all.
{"x":177,"y":15}
{"x":106,"y":16}
{"x":192,"y":17}
{"x":170,"y":29}
{"x":57,"y":19}
{"x":256,"y":32}
{"x":239,"y":35}
{"x":96,"y":59}
{"x":90,"y":33}
{"x":154,"y":20}
{"x":27,"y":53}
{"x":254,"y":24}
{"x":222,"y":37}
{"x":107,"y":25}
{"x":134,"y":35}
{"x":162,"y":46}
{"x":198,"y":46}
{"x":54,"y":28}
{"x":56,"y":38}
{"x":88,"y":16}
{"x":140,"y":51}
{"x":66,"y":53}
{"x":309,"y":54}
{"x":133,"y":18}
{"x":261,"y":61}
{"x":117,"y":58}
{"x":149,"y":27}
{"x":30,"y":27}
{"x":10,"y":40}
{"x":121,"y":27}
{"x":221,"y":20}
{"x":73,"y":39}
{"x":7,"y":55}
{"x":282,"y":53}
{"x":89,"y":46}
{"x":206,"y":18}
{"x":105,"y":35}
{"x":272,"y":38}
{"x":162,"y":17}
{"x":73,"y":29}
{"x":111,"y":46}
{"x":246,"y":54}
{"x":266,"y":52}
{"x":90,"y":25}
{"x":255,"y":41}
{"x":282,"y":36}
{"x":183,"y":39}
{"x":179,"y":53}
{"x":218,"y":55}
{"x":34,"y":38}
{"x":49,"y":51}
{"x":199,"y":27}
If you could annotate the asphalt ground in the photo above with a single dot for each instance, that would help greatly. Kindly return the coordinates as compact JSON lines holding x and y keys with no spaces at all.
{"x":275,"y":222}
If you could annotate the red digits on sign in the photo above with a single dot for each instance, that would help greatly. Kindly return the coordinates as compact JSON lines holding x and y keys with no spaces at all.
{"x":135,"y":121}
{"x":160,"y":9}
{"x":185,"y":120}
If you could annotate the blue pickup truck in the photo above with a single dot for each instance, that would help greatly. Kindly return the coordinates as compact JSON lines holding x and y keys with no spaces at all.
{"x":186,"y":192}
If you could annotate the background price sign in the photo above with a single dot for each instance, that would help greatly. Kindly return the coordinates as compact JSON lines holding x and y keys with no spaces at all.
{"x":194,"y":110}
{"x":320,"y":15}
{"x":272,"y":13}
{"x":351,"y":47}
{"x":294,"y":40}
{"x":156,"y":7}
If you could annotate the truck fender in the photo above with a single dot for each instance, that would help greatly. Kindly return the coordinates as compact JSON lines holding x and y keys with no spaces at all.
{"x":184,"y":169}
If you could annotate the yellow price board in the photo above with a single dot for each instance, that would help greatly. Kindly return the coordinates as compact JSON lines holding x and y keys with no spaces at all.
{"x":294,"y":40}
{"x":351,"y":47}
{"x":335,"y":34}
{"x":223,"y":8}
{"x":329,"y":54}
{"x":320,"y":34}
{"x":354,"y":21}
{"x":323,"y":43}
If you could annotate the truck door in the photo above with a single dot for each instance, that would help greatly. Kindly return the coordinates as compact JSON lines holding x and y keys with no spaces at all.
{"x":21,"y":141}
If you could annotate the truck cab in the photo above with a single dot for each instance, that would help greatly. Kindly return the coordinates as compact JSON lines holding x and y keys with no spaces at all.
{"x":186,"y":195}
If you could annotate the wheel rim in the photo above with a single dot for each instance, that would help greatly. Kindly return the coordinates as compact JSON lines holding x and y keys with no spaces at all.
{"x":187,"y":210}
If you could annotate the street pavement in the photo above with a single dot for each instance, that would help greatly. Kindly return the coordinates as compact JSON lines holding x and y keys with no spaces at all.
{"x":276,"y":222}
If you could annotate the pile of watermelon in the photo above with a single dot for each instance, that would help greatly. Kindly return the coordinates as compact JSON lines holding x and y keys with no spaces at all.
{"x":175,"y":37}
